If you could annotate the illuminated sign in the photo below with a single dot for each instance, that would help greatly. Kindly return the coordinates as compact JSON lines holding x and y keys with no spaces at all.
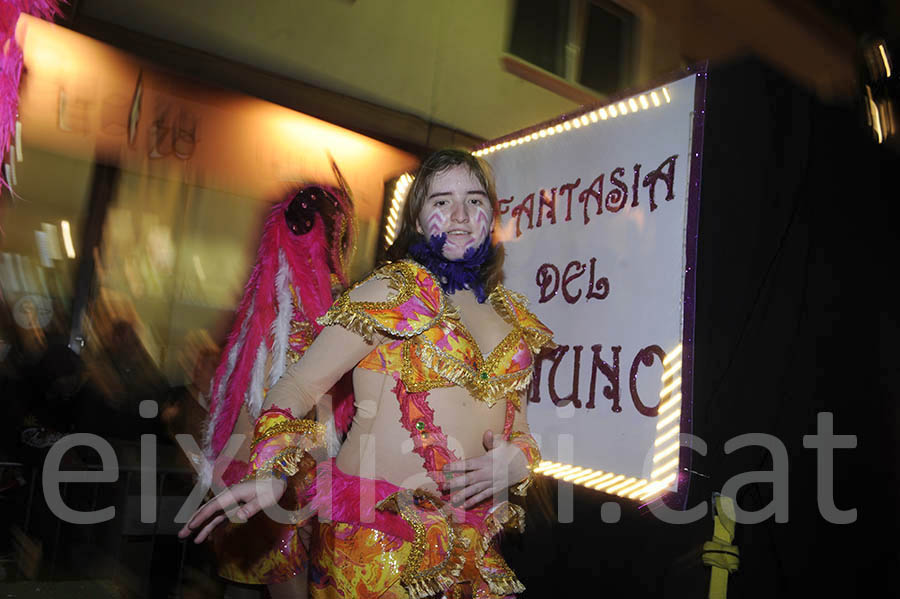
{"x":599,"y":218}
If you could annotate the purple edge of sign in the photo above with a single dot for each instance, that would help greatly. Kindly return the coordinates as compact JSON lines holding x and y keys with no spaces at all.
{"x":690,"y":276}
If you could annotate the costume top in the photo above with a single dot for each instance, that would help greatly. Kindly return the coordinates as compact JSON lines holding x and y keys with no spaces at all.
{"x":427,"y":344}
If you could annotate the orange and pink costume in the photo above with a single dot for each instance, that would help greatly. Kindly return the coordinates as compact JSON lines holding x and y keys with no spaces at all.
{"x":374,"y":538}
{"x":412,"y":543}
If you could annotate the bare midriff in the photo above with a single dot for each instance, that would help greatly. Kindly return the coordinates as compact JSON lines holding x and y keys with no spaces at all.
{"x":378,"y":446}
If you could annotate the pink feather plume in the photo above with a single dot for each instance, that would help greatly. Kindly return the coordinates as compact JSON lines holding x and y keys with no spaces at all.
{"x":310,"y":263}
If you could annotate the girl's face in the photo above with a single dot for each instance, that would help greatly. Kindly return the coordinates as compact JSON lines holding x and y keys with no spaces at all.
{"x":458,"y":205}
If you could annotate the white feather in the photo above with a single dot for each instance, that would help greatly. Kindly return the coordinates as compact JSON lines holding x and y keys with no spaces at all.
{"x":332,"y":441}
{"x":257,"y":381}
{"x":325,"y":413}
{"x":205,"y":473}
{"x":219,"y":391}
{"x":282,"y":323}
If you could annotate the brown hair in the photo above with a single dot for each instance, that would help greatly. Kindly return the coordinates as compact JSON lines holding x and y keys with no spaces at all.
{"x":440,"y":161}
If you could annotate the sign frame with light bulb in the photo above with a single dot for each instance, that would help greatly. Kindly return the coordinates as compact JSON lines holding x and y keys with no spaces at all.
{"x":599,"y":216}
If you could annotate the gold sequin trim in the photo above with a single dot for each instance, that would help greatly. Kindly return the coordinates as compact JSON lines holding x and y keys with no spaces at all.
{"x":447,"y":370}
{"x":286,"y":461}
{"x":521,"y":489}
{"x":534,"y":459}
{"x":488,"y":390}
{"x":506,"y":515}
{"x":301,"y":334}
{"x":478,"y":380}
{"x":313,"y":432}
{"x":441,"y":577}
{"x":502,"y":298}
{"x":261,"y":475}
{"x":353,"y":316}
{"x":444,"y":577}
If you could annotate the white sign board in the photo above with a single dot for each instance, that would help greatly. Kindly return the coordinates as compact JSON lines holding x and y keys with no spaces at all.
{"x":597,"y":211}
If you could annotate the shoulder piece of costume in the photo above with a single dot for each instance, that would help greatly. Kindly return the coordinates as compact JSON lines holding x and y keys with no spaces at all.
{"x":416,"y":304}
{"x":513,"y":307}
{"x":427,"y":344}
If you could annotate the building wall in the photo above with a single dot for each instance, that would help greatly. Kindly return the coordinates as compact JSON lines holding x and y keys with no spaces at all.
{"x":437,"y":60}
{"x":442,"y":61}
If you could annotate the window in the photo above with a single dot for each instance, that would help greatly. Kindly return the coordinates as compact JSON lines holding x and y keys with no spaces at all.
{"x":607,"y":52}
{"x":540,"y":33}
{"x":591,"y":43}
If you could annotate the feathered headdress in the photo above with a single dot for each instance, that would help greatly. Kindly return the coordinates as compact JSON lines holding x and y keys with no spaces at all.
{"x":303,"y":256}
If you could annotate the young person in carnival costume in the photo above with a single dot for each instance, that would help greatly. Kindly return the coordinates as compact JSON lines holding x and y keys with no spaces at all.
{"x":412,"y":503}
{"x":302,"y":263}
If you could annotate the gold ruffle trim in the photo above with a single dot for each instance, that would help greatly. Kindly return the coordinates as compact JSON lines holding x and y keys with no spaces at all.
{"x":442,"y":577}
{"x":287,"y":461}
{"x":439,"y":578}
{"x":505,"y":515}
{"x":533,"y":457}
{"x":355,"y":317}
{"x":340,"y":314}
{"x":517,"y":297}
{"x":489,"y":390}
{"x":479,"y":380}
{"x":312,"y":433}
{"x":534,"y":337}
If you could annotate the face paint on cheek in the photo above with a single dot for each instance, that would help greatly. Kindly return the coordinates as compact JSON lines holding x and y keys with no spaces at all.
{"x":435,"y":224}
{"x":483,"y":222}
